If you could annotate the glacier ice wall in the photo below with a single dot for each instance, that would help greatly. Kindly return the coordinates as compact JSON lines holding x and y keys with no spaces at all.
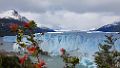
{"x":78,"y":43}
{"x":84,"y":43}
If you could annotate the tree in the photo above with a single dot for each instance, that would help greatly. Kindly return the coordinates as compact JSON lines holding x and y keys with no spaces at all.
{"x":108,"y":56}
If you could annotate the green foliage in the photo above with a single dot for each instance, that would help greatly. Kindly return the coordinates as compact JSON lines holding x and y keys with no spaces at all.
{"x":12,"y":61}
{"x":9,"y":61}
{"x":33,"y":25}
{"x":108,"y":56}
{"x":28,"y":64}
{"x":70,"y":61}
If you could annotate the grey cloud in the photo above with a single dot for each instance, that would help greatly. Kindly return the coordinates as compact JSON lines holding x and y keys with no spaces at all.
{"x":75,"y":14}
{"x":56,"y":5}
{"x":72,"y":20}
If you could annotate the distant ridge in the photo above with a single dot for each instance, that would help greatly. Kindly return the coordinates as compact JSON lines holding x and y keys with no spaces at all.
{"x":114,"y":27}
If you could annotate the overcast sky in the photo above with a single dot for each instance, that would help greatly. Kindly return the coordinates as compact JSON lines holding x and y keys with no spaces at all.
{"x":66,"y":14}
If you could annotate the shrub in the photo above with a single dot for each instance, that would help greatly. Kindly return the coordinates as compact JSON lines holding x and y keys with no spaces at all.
{"x":70,"y":61}
{"x":10,"y":60}
{"x":30,"y":50}
{"x":108,"y":56}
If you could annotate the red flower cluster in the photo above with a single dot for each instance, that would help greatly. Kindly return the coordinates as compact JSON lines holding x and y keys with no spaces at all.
{"x":31,"y":50}
{"x":62,"y":50}
{"x":27,"y":25}
{"x":41,"y":64}
{"x":22,"y":60}
{"x":14,"y":27}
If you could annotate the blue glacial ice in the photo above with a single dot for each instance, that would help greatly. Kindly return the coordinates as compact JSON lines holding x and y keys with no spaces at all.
{"x":81,"y":44}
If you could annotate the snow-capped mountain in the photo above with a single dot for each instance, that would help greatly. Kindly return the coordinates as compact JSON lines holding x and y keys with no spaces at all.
{"x":13,"y":14}
{"x":114,"y":27}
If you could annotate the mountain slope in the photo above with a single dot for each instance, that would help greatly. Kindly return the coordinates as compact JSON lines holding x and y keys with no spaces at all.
{"x":13,"y":14}
{"x":11,"y":17}
{"x":115,"y":27}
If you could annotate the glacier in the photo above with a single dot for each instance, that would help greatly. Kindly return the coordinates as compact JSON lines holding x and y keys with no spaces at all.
{"x":82,"y":44}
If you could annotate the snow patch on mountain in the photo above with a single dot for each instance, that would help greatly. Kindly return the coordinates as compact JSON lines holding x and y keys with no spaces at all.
{"x":13,"y":14}
{"x":114,"y":27}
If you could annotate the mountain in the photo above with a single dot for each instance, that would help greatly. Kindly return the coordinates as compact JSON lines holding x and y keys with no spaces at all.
{"x":12,"y":16}
{"x":114,"y":27}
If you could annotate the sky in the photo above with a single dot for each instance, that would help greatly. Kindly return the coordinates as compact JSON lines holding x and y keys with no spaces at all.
{"x":66,"y":14}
